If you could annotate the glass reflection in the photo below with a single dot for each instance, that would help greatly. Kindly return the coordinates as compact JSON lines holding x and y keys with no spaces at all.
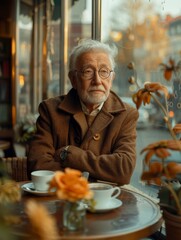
{"x":147,"y":33}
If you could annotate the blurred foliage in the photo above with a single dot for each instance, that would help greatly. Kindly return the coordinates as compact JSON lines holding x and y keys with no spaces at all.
{"x":25,"y":128}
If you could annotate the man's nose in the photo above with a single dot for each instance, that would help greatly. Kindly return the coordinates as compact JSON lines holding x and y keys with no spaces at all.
{"x":97,"y":78}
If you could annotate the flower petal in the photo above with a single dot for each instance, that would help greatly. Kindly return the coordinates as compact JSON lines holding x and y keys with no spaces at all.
{"x":70,"y":185}
{"x":177,"y":128}
{"x":173,"y":169}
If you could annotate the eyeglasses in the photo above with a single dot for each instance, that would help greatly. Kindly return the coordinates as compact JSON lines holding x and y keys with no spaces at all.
{"x":89,"y":73}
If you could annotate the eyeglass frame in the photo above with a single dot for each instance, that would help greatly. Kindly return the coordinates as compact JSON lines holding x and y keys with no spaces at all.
{"x":93,"y":74}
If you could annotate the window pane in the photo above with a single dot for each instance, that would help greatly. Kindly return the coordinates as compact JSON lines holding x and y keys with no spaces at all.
{"x":23,"y":82}
{"x":148,"y":34}
{"x":79,"y":26}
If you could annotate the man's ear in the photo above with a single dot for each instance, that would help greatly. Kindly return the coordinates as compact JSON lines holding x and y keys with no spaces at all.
{"x":113,"y":75}
{"x":72,"y":78}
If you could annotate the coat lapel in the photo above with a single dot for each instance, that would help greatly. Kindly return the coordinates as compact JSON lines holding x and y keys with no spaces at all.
{"x":81,"y":120}
{"x":64,"y":123}
{"x":71,"y":104}
{"x":101,"y":122}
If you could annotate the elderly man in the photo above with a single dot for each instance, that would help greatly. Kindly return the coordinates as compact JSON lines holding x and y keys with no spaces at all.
{"x":90,"y":128}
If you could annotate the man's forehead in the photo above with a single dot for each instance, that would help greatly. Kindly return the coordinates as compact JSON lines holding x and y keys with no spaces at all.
{"x":89,"y":58}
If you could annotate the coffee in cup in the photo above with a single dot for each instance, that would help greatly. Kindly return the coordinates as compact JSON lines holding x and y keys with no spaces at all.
{"x":104,"y":193}
{"x":41,"y":179}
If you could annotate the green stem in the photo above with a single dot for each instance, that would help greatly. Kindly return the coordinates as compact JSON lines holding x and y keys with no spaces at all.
{"x":160,"y":105}
{"x":165,"y":112}
{"x":136,"y":78}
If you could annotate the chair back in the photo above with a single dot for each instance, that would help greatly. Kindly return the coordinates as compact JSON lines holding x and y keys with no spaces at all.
{"x":16,"y":167}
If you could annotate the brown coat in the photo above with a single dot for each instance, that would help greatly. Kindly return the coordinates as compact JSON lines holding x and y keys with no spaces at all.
{"x":106,"y":150}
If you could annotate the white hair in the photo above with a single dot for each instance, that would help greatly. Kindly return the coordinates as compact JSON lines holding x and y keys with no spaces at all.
{"x":92,"y":45}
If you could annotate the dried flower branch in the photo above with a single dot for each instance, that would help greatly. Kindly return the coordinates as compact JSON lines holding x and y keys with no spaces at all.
{"x":170,"y":69}
{"x":161,"y":172}
{"x":9,"y":191}
{"x":44,"y":226}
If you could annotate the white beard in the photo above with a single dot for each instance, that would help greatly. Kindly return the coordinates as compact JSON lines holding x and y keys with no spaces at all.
{"x":89,"y":98}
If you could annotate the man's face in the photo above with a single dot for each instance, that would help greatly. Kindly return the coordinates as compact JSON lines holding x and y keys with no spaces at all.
{"x":93,"y":78}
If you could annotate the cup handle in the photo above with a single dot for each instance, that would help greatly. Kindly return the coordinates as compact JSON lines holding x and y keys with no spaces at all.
{"x":116,"y":192}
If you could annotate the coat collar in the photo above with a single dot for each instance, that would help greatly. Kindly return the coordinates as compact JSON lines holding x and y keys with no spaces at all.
{"x":71,"y":103}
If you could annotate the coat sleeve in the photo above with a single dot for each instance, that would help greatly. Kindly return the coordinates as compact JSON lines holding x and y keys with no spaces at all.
{"x":116,"y":166}
{"x":42,"y":147}
{"x":113,"y":161}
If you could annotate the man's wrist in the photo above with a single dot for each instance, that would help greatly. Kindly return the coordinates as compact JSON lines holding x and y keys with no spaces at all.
{"x":63,"y":156}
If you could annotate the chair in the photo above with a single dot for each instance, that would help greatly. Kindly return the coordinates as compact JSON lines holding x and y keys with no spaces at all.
{"x":16,"y":167}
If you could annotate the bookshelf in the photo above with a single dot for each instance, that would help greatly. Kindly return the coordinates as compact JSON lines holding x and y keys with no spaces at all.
{"x":5,"y":83}
{"x":6,"y":89}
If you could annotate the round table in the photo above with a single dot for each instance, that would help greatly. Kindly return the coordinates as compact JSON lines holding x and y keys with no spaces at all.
{"x":136,"y":218}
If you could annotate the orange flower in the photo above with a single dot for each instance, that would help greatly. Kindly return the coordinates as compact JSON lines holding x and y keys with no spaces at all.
{"x":177,"y":128}
{"x":157,"y":171}
{"x":154,"y":174}
{"x":144,"y":94}
{"x":173,"y":169}
{"x":160,"y":149}
{"x":169,"y":69}
{"x":70,"y":185}
{"x":160,"y":169}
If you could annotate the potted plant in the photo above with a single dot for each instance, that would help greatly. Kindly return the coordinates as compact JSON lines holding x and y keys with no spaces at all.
{"x":165,"y":174}
{"x":25,"y":128}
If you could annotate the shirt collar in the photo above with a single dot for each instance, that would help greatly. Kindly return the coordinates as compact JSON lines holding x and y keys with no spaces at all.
{"x":94,"y":112}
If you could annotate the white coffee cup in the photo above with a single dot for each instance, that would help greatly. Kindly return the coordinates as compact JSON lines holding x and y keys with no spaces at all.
{"x":41,"y":178}
{"x":104,"y":193}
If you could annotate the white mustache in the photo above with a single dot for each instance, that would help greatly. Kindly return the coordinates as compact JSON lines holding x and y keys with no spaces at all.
{"x":97,"y":88}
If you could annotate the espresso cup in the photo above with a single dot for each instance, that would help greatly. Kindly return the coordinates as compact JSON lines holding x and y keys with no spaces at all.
{"x":104,"y":193}
{"x":41,"y":179}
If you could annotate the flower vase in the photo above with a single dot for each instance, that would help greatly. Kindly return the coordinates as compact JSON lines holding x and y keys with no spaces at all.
{"x":74,"y":215}
{"x":172,"y":225}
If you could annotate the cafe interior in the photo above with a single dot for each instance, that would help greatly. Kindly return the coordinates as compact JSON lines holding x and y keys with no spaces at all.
{"x":36,"y":37}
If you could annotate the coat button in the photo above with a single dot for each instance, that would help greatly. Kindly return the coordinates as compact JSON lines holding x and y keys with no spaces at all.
{"x":96,"y":137}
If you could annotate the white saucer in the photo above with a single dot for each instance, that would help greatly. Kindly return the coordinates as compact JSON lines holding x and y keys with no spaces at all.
{"x":29,"y":187}
{"x":115,"y":203}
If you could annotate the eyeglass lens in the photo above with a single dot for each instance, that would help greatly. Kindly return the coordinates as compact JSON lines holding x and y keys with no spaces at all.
{"x":89,"y":73}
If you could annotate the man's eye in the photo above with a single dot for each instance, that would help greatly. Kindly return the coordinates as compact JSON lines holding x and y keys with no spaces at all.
{"x":88,"y":71}
{"x":103,"y":71}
